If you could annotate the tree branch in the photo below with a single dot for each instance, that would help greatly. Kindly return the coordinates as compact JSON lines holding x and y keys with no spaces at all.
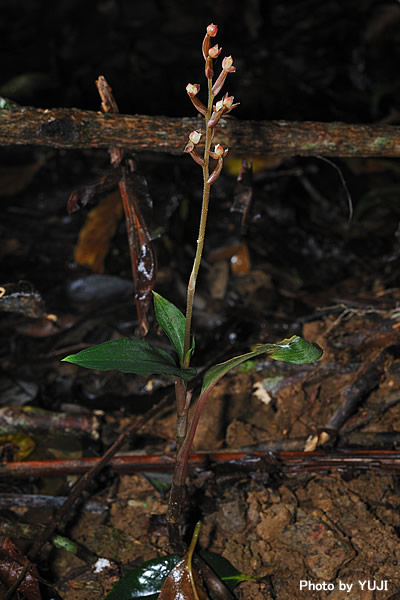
{"x":74,"y":128}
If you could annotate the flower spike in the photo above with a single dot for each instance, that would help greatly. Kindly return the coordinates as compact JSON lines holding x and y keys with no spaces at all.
{"x":222,"y":107}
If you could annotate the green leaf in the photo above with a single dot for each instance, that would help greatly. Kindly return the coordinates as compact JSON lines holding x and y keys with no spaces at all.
{"x":172,"y":321}
{"x":6,"y":104}
{"x":145,"y":581}
{"x":225,"y":571}
{"x":294,"y":350}
{"x":129,"y":356}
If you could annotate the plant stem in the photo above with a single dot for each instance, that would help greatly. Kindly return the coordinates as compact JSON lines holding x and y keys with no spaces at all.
{"x":183,"y":397}
{"x":175,"y":514}
{"x":202,"y":229}
{"x":183,"y":454}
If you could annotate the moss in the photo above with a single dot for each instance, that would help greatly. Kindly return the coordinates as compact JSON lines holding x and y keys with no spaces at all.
{"x":380,"y":143}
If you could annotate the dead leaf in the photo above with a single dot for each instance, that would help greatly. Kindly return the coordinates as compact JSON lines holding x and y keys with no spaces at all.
{"x":218,"y":279}
{"x":240,"y":260}
{"x":50,"y":325}
{"x":260,"y":163}
{"x":183,"y":583}
{"x":96,"y":234}
{"x":14,"y":179}
{"x":143,"y":260}
{"x":16,"y":446}
{"x":133,"y":189}
{"x":12,"y":561}
{"x":238,"y":254}
{"x":82,"y":196}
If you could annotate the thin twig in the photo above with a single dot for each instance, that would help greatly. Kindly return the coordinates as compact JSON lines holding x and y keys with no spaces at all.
{"x":247,"y":461}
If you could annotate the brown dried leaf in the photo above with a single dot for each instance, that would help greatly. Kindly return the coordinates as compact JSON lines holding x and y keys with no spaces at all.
{"x":132,"y":189}
{"x":14,"y":179}
{"x":240,"y":260}
{"x":108,"y":103}
{"x":238,"y":255}
{"x":95,"y":236}
{"x":12,"y":561}
{"x":183,"y":583}
{"x":143,"y":259}
{"x":82,"y":196}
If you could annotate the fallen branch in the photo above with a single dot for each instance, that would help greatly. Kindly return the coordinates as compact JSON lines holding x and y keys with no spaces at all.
{"x":45,"y":501}
{"x":366,"y":379}
{"x":383,"y":461}
{"x":16,"y":419}
{"x":74,"y":128}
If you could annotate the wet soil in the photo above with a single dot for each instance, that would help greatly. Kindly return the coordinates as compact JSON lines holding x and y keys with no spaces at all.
{"x":284,"y":259}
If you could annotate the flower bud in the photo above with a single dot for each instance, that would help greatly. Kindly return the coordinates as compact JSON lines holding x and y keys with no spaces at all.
{"x":217,"y":114}
{"x":227,"y":67}
{"x":214,"y":51}
{"x":227,"y":64}
{"x":195,"y":136}
{"x":218,"y":153}
{"x":212,"y":30}
{"x":189,"y":147}
{"x":227,"y":101}
{"x":193,"y":89}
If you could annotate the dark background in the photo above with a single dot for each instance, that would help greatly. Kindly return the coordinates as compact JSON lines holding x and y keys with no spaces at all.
{"x":296,"y":60}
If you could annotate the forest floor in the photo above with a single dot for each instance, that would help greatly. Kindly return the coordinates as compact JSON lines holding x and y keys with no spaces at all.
{"x":285,"y":254}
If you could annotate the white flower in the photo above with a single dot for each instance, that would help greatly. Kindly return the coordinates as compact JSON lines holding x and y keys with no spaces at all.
{"x":195,"y":136}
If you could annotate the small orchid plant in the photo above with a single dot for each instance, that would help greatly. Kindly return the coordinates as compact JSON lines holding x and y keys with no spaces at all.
{"x":134,"y":355}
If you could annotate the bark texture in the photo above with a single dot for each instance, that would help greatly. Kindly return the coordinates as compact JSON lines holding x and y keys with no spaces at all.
{"x":74,"y":128}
